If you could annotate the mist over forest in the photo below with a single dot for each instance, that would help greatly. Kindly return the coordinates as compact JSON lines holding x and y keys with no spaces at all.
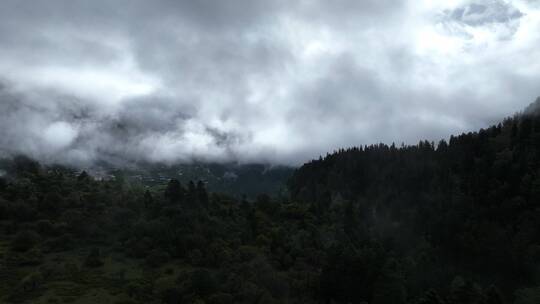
{"x":260,"y":152}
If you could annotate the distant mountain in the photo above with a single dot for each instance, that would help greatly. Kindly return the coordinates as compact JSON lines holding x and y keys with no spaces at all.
{"x":232,"y":178}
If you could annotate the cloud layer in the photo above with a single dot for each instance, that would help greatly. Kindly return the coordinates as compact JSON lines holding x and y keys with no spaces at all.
{"x":275,"y":81}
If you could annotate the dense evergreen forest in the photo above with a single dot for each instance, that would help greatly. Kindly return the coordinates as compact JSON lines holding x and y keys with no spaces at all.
{"x":455,"y":222}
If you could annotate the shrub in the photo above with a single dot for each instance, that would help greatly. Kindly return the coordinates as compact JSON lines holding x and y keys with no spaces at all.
{"x":30,"y":257}
{"x":5,"y":209}
{"x":45,"y":227}
{"x":202,"y":282}
{"x":48,"y":271}
{"x":60,"y":243}
{"x":528,"y":295}
{"x":31,"y":282}
{"x":74,"y":220}
{"x":221,"y":298}
{"x":138,"y":248}
{"x":93,"y":259}
{"x":72,"y":270}
{"x":157,"y":257}
{"x":167,"y":290}
{"x":195,"y":257}
{"x":23,"y":212}
{"x":24,"y":240}
{"x":51,"y":202}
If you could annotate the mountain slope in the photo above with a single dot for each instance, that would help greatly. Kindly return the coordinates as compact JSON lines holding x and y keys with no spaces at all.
{"x":475,"y":199}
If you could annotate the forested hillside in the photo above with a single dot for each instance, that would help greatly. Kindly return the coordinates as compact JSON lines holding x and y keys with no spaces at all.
{"x":231,"y":178}
{"x":467,"y":207}
{"x":456,"y":222}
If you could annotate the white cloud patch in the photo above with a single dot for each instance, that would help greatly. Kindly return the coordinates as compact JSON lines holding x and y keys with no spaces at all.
{"x":59,"y":135}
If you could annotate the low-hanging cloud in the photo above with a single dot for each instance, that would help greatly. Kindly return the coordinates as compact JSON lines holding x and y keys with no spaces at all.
{"x":271,"y":81}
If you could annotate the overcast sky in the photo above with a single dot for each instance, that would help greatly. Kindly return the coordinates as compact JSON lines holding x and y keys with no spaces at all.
{"x":274,"y":81}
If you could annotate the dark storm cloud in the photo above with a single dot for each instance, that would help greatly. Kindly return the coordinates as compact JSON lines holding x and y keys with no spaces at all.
{"x":259,"y":80}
